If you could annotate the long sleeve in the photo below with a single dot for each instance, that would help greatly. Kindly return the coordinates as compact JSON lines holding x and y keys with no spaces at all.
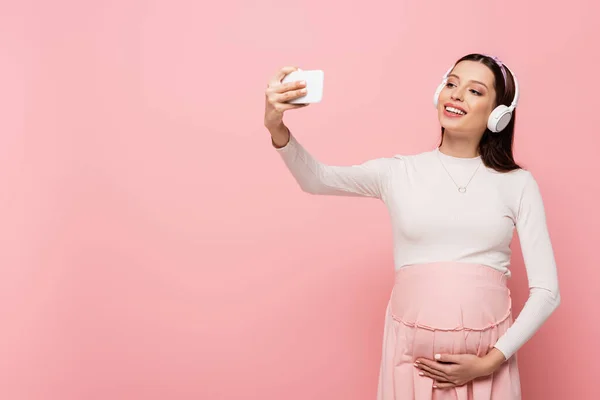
{"x":369,"y":179}
{"x":540,"y":265}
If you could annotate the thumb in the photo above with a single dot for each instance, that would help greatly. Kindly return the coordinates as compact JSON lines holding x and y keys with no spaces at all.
{"x":448,"y":358}
{"x":286,"y":70}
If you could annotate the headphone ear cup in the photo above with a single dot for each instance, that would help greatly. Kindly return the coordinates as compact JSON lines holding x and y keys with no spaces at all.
{"x":499,"y":118}
{"x":436,"y":96}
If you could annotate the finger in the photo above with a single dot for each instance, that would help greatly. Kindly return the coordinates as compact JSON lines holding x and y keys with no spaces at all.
{"x":434,"y":372}
{"x":279,"y":75}
{"x":433,"y":376}
{"x":287,"y":96}
{"x":434,"y":365}
{"x":285,"y":87}
{"x":443,"y":385}
{"x":448,"y":358}
{"x":295,"y":106}
{"x":282,"y":107}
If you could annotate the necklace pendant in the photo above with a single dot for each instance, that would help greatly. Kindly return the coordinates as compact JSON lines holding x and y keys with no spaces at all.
{"x":462,"y":189}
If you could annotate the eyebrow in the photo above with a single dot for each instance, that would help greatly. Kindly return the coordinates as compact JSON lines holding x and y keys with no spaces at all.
{"x":481,"y":83}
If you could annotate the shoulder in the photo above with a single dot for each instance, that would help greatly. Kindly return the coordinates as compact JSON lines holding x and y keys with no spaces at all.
{"x":401,"y":158}
{"x":522,"y":180}
{"x":397,"y":163}
{"x":415,"y":157}
{"x":519,"y":175}
{"x":419,"y":162}
{"x":514,"y":186}
{"x":523,"y":184}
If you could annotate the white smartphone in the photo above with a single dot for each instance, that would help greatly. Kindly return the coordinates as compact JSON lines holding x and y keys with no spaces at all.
{"x":314,"y":85}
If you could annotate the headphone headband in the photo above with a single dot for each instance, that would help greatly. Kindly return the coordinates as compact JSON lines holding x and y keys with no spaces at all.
{"x":504,"y":68}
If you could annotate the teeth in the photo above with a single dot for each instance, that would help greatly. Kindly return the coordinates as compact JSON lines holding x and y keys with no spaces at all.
{"x":455,"y":110}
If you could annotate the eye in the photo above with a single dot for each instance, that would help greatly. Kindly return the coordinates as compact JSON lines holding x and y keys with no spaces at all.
{"x":449,"y":84}
{"x":475,"y":92}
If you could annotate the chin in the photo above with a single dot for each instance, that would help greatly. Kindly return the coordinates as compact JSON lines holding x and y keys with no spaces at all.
{"x":457,"y":130}
{"x":453,"y":125}
{"x":459,"y":126}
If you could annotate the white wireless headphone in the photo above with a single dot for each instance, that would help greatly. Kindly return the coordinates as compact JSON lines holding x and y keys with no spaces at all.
{"x":501,"y":116}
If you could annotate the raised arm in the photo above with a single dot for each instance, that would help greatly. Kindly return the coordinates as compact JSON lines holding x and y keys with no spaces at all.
{"x":368,"y":179}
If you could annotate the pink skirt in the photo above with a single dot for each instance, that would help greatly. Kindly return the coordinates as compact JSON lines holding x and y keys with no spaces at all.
{"x":452,"y":308}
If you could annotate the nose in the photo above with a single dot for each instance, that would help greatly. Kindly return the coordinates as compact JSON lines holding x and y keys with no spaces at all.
{"x":457,"y":95}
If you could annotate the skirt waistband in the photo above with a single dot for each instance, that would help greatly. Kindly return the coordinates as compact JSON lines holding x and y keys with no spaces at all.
{"x":440,"y":270}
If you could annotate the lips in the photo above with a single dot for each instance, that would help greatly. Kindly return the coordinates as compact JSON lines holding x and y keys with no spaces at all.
{"x":454,"y":109}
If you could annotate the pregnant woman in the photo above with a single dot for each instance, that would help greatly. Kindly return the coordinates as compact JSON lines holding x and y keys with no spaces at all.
{"x":449,"y":331}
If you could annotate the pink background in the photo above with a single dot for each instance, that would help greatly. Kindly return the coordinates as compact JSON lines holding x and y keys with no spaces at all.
{"x":153,"y":246}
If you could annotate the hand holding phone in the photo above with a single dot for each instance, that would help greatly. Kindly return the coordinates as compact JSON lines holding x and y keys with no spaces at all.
{"x":314,"y":85}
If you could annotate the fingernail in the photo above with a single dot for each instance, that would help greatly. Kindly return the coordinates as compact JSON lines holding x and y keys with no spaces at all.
{"x":416,"y":365}
{"x":420,"y":373}
{"x":303,"y":82}
{"x":435,"y":386}
{"x":437,"y":356}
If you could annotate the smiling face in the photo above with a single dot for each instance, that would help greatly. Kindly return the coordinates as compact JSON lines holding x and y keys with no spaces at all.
{"x":467,"y":100}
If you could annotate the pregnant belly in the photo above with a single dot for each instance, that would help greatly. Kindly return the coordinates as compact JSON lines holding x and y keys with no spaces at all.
{"x":451,"y":308}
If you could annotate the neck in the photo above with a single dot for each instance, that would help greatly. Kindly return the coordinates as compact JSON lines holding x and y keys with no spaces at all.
{"x":459,"y":147}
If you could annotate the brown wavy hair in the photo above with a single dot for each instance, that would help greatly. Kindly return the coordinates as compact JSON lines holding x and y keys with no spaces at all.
{"x":496,"y":149}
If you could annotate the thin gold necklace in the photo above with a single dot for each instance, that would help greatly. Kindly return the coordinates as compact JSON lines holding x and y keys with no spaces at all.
{"x":461,"y":189}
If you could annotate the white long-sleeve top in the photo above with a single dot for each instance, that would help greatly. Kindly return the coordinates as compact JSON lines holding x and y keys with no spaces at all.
{"x":432,"y":221}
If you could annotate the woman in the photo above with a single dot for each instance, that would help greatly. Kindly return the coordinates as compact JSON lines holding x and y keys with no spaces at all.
{"x":449,"y":331}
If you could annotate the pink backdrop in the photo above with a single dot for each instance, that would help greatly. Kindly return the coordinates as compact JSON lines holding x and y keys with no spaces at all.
{"x":154,"y":247}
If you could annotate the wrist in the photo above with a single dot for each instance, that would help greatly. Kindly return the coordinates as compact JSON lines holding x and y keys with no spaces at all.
{"x":492,"y":361}
{"x":280,"y":135}
{"x":276,"y":128}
